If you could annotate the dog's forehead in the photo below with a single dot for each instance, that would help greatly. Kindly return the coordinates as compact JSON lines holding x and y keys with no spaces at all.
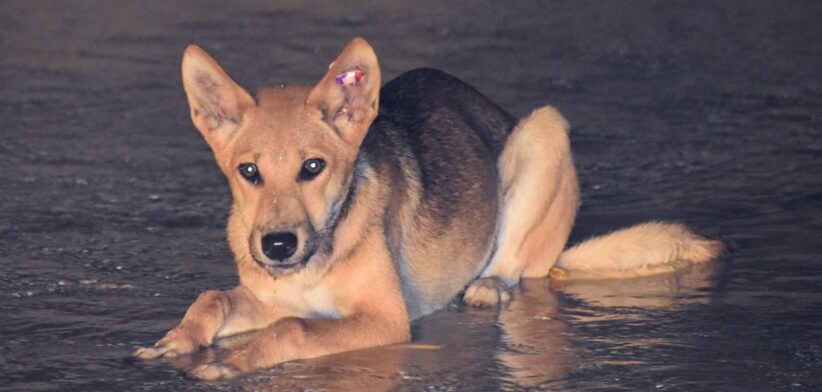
{"x":282,"y":117}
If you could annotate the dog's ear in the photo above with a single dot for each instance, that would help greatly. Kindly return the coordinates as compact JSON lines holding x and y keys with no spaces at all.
{"x":217,"y":102}
{"x":348,"y":95}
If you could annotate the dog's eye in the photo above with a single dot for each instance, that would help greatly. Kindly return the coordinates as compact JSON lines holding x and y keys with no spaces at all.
{"x":311,"y":168}
{"x":250,"y":173}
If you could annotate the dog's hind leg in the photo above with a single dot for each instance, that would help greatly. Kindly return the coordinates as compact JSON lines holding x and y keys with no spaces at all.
{"x":538,"y":205}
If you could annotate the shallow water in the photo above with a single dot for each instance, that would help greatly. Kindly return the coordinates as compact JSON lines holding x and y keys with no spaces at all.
{"x":112,"y":211}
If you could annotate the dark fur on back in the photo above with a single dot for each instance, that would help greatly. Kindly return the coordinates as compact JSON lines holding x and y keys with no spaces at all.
{"x":442,"y":138}
{"x":452,"y":132}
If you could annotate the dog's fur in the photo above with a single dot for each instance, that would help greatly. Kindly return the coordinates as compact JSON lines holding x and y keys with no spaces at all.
{"x":428,"y":187}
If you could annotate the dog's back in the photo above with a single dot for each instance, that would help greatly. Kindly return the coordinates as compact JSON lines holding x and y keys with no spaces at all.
{"x":437,"y":140}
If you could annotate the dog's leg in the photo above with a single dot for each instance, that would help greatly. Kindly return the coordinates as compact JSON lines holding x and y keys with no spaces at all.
{"x":297,"y":338}
{"x":539,"y":202}
{"x":213,"y":314}
{"x":369,"y":298}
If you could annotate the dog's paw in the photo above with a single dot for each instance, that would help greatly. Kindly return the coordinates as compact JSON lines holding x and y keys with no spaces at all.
{"x":176,"y":342}
{"x":237,"y":362}
{"x":232,"y":365}
{"x":487,"y":292}
{"x":213,"y":371}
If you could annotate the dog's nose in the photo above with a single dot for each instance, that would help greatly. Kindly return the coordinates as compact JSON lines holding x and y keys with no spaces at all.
{"x":279,"y":246}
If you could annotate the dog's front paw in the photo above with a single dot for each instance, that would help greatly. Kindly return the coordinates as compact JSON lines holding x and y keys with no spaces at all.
{"x":234,"y":364}
{"x":213,"y":371}
{"x":487,"y":292}
{"x":178,"y":341}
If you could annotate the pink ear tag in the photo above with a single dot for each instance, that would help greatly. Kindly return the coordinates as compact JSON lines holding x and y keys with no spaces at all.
{"x":349,"y":78}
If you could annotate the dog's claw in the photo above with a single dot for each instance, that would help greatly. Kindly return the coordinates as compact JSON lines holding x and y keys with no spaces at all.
{"x":173,"y":344}
{"x":148,"y":353}
{"x":487,"y":292}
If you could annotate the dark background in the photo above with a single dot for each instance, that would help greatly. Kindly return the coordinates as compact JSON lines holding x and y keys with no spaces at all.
{"x":709,"y":113}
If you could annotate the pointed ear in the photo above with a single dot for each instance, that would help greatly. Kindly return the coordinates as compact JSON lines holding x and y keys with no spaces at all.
{"x":217,"y":102}
{"x":348,"y":95}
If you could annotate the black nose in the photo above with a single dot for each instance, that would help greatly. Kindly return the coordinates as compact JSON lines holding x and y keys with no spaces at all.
{"x":279,"y":246}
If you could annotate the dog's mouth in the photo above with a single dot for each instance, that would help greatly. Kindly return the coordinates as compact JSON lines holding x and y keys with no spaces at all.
{"x":280,"y":267}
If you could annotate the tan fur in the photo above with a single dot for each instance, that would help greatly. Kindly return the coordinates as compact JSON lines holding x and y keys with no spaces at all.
{"x":384,"y":262}
{"x":642,"y":250}
{"x":540,"y":199}
{"x":539,"y":203}
{"x":358,"y":295}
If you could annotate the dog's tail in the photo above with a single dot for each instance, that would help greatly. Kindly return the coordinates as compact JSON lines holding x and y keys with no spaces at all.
{"x":645,"y":249}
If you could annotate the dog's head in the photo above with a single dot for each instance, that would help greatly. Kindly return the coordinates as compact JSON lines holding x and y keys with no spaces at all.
{"x":289,"y":155}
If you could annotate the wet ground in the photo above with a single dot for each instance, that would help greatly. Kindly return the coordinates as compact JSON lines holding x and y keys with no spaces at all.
{"x":710,"y":113}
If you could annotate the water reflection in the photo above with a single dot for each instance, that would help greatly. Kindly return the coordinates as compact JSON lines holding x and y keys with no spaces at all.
{"x":687,"y":286}
{"x":535,"y":349}
{"x":529,"y":344}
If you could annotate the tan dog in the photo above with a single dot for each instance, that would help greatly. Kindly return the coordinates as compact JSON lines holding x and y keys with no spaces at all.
{"x":358,"y":209}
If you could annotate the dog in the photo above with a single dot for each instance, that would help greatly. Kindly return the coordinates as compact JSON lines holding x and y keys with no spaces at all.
{"x":358,"y":209}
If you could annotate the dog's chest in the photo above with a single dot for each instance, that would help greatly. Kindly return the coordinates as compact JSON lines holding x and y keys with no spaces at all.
{"x":314,"y":302}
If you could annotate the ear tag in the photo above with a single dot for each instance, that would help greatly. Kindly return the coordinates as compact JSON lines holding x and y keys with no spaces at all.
{"x":349,"y":78}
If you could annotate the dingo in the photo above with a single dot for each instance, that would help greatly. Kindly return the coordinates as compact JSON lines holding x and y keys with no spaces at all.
{"x":358,"y":209}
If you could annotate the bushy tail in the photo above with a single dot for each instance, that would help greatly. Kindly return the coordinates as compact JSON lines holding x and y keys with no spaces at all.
{"x":645,"y":249}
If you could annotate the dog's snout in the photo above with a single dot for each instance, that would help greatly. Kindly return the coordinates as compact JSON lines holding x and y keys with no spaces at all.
{"x":279,"y":246}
